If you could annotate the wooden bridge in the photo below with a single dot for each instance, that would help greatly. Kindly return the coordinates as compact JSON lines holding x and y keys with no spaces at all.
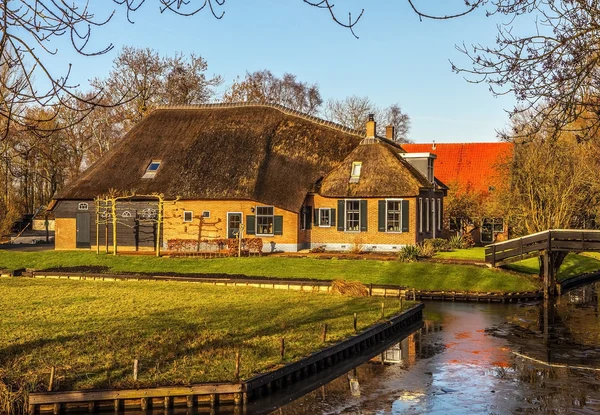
{"x":549,"y":245}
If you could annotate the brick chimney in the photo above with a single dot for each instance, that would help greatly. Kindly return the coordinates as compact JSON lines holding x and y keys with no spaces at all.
{"x":371,"y":126}
{"x":389,"y":132}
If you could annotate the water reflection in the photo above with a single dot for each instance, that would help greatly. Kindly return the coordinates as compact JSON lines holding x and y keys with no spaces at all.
{"x":479,"y":358}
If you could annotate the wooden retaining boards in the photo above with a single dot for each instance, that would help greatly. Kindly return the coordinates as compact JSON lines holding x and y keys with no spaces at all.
{"x":369,"y":333}
{"x":379,"y":290}
{"x":48,"y":398}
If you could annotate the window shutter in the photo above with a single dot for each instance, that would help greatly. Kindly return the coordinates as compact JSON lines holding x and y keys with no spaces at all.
{"x":332,"y":217}
{"x":316,"y":217}
{"x":405,"y":216}
{"x":278,"y":225}
{"x":309,"y":217}
{"x":250,"y":225}
{"x":341,"y":213}
{"x":363,"y":216}
{"x":381,"y":215}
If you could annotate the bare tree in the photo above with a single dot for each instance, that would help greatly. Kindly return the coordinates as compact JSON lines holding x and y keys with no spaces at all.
{"x":354,"y":111}
{"x":553,"y":69}
{"x":264,"y":87}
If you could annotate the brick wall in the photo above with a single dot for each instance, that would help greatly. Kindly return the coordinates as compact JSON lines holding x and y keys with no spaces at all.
{"x":215,"y":226}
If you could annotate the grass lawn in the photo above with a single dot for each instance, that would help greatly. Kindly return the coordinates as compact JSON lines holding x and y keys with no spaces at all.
{"x":475,"y":254}
{"x":419,"y":275}
{"x":181,"y":332}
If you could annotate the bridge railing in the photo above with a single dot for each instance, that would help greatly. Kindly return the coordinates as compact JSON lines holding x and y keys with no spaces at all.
{"x":566,"y":240}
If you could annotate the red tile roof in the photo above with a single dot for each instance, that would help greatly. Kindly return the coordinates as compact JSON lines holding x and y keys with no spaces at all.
{"x":472,"y":165}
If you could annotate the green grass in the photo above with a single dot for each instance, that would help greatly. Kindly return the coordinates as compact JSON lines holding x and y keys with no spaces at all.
{"x":573,"y":265}
{"x":475,"y":254}
{"x":419,"y":275}
{"x":181,"y":332}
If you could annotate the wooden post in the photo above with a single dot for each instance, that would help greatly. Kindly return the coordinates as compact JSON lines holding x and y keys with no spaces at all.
{"x":382,"y":310}
{"x":414,"y":295}
{"x":214,"y":400}
{"x":117,"y":405}
{"x":401,"y":305}
{"x":547,"y":265}
{"x":324,"y":334}
{"x":159,"y":219}
{"x":282,"y":348}
{"x":370,"y":289}
{"x":113,"y":209}
{"x":355,"y":318}
{"x":106,"y":222}
{"x":190,"y":401}
{"x":56,"y":408}
{"x":136,"y":365}
{"x":237,"y":364}
{"x":97,"y":204}
{"x":51,"y":382}
{"x":168,"y":402}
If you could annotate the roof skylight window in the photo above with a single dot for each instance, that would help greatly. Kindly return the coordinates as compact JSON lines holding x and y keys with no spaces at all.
{"x":151,"y":169}
{"x":355,"y":173}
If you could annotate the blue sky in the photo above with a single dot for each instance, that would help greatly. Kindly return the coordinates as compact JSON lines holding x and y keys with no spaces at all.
{"x":397,"y":58}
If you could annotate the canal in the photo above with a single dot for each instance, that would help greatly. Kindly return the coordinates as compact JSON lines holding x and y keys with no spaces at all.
{"x":475,"y":358}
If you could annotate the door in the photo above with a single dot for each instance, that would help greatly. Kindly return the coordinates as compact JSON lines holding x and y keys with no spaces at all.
{"x":83,"y":230}
{"x":234,"y":219}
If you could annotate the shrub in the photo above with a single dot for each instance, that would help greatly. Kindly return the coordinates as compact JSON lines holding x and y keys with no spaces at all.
{"x":426,"y":250}
{"x":437,"y":244}
{"x":318,"y":249}
{"x":468,"y":241}
{"x":456,"y":242}
{"x":409,"y":253}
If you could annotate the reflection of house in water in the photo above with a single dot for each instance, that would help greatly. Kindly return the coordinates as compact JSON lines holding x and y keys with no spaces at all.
{"x":586,"y":295}
{"x":407,"y":351}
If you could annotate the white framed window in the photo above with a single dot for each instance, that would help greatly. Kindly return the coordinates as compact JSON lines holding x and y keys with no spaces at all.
{"x":151,"y":169}
{"x":264,"y":220}
{"x":355,"y":172}
{"x":393,"y":216}
{"x":126,"y":214}
{"x":427,"y":214}
{"x":439,"y":214}
{"x":420,"y":215}
{"x":430,"y":170}
{"x":352,"y":216}
{"x":324,"y":218}
{"x":188,"y":216}
{"x":206,"y":214}
{"x":82,"y":206}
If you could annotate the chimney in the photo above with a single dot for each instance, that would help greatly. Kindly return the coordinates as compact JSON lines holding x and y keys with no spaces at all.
{"x":389,"y":132}
{"x":371,"y":126}
{"x":433,"y":146}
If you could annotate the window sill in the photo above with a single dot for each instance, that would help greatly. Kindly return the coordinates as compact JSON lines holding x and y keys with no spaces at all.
{"x":324,"y":226}
{"x":394,"y":232}
{"x":265,"y":234}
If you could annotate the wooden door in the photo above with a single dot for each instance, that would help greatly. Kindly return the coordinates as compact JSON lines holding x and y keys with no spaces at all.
{"x":83,"y":230}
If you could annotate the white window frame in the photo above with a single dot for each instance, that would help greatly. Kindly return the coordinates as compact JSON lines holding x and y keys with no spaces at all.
{"x":386,"y":215}
{"x":328,"y":210}
{"x":272,"y":215}
{"x":126,"y":214}
{"x":241,"y":221}
{"x":83,"y":206}
{"x":206,"y":214}
{"x":191,"y":214}
{"x":356,"y":165}
{"x":428,"y":214}
{"x":149,"y":174}
{"x":439,"y":214}
{"x":420,"y":215}
{"x":346,"y":215}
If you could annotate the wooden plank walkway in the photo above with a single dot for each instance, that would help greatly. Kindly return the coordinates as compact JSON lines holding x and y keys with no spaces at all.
{"x":554,"y":240}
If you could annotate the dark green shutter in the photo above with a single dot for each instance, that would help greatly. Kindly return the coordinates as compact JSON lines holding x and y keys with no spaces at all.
{"x":250,"y":225}
{"x":278,"y":225}
{"x":341,"y":212}
{"x":309,"y":217}
{"x":316,"y":217}
{"x":405,"y":216}
{"x":381,"y":215}
{"x":363,"y":216}
{"x":332,"y":217}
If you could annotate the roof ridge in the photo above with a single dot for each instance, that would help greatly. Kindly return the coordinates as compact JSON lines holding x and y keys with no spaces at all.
{"x":283,"y":109}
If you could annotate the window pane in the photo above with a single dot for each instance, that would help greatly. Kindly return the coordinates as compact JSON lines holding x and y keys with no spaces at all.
{"x":324,"y":217}
{"x":264,"y":220}
{"x":352,"y":215}
{"x":393,"y":216}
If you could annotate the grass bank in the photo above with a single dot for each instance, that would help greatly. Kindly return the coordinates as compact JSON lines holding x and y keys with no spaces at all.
{"x":182,"y":333}
{"x":419,"y":275}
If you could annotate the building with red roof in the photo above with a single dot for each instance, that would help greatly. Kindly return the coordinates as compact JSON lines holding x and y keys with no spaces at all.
{"x":471,"y":167}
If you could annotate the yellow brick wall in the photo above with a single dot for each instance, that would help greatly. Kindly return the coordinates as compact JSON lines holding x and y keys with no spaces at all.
{"x":66,"y":233}
{"x":215,"y":227}
{"x":322,"y":235}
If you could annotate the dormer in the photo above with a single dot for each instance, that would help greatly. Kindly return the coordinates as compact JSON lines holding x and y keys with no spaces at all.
{"x":423,"y":162}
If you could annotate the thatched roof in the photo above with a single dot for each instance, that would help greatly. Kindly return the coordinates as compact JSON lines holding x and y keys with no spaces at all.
{"x":383,"y":174}
{"x":249,"y":152}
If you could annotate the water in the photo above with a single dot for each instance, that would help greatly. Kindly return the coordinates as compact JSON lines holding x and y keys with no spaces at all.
{"x":474,"y":358}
